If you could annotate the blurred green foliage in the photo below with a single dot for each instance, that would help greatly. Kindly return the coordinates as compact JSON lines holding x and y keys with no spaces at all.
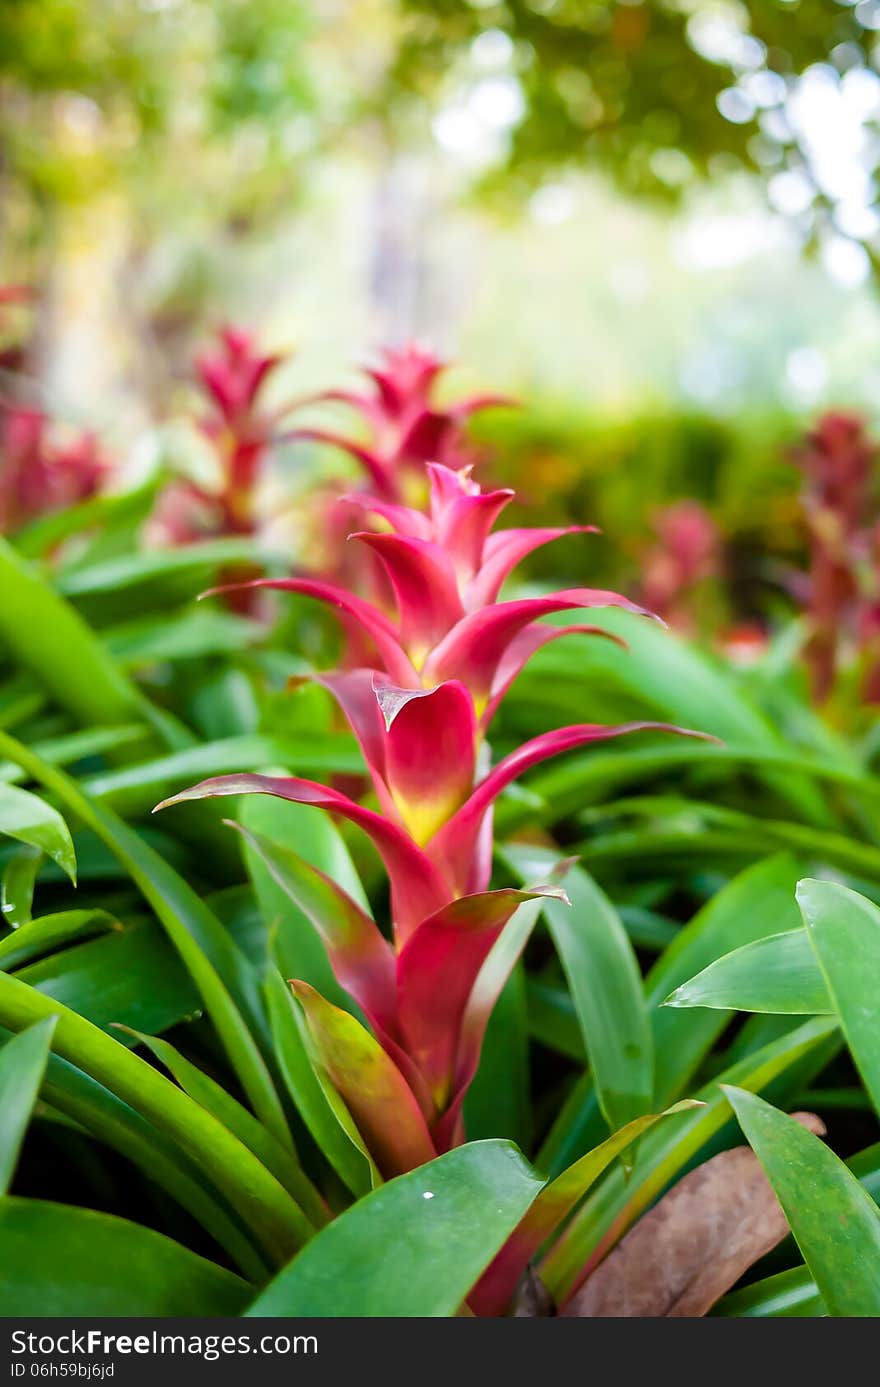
{"x":616,"y":83}
{"x":569,"y":466}
{"x":91,"y":90}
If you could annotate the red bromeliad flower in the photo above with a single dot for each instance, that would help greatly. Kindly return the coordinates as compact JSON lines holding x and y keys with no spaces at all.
{"x":446,"y":570}
{"x":241,"y":431}
{"x":836,"y":458}
{"x":420,"y":715}
{"x":407,"y":429}
{"x":687,"y":552}
{"x":37,"y":476}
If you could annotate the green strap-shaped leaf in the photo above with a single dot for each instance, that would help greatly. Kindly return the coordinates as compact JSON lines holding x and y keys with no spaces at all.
{"x":499,"y":1102}
{"x":120,"y":509}
{"x":224,"y":977}
{"x":834,"y":1220}
{"x":757,"y":902}
{"x":665,"y":1151}
{"x":135,"y":789}
{"x":787,"y":1295}
{"x":65,"y":1261}
{"x":844,"y":930}
{"x":273,"y":1216}
{"x":778,"y":974}
{"x":29,"y":819}
{"x":69,"y":1091}
{"x":22,"y":1066}
{"x":660,"y":676}
{"x":75,"y":746}
{"x":50,"y":639}
{"x":605,"y":984}
{"x":50,"y":932}
{"x":127,"y":570}
{"x":241,"y":1123}
{"x":416,"y":1246}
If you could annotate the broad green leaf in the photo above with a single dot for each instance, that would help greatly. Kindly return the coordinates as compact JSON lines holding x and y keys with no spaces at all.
{"x":273,"y":1216}
{"x":225,"y":979}
{"x":31,"y":820}
{"x":776,"y":974}
{"x":22,"y":1065}
{"x":782,"y":1066}
{"x":416,"y":1246}
{"x":49,"y":638}
{"x":844,"y":930}
{"x":835,"y":1222}
{"x":64,"y":1261}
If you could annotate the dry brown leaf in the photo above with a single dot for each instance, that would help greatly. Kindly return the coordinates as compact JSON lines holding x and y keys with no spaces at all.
{"x":533,"y":1300}
{"x":693,"y":1245}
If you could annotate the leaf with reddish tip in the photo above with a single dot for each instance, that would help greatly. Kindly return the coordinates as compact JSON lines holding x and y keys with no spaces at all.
{"x":377,"y":626}
{"x":504,"y":550}
{"x":436,"y":971}
{"x":355,"y":692}
{"x":424,"y":584}
{"x":693,"y":1246}
{"x":362,"y":958}
{"x":371,"y":1086}
{"x":402,"y":519}
{"x":450,"y":849}
{"x":417,"y":887}
{"x":487,"y":988}
{"x":526,"y":644}
{"x":555,"y":1202}
{"x":430,"y":753}
{"x":476,"y":645}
